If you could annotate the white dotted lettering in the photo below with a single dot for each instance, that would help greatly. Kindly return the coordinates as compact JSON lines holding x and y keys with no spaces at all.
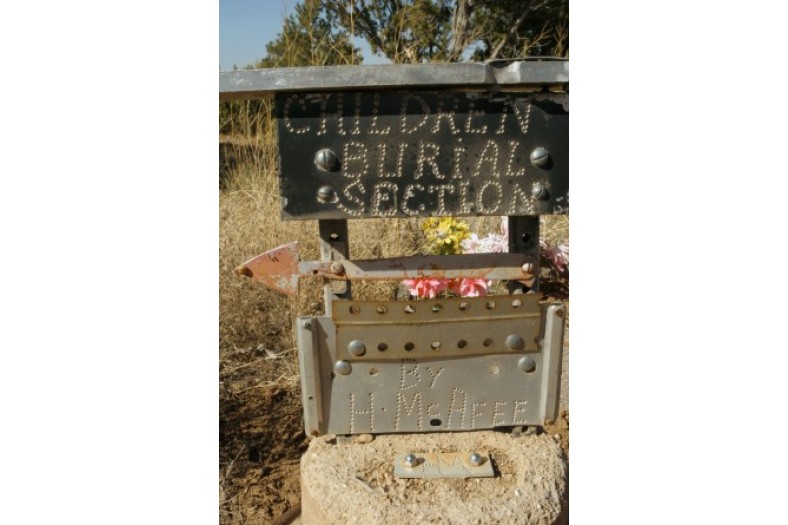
{"x":355,"y":164}
{"x":428,"y":158}
{"x":488,"y":156}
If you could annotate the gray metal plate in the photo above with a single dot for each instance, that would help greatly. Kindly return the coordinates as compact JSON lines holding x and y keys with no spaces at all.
{"x":409,"y":154}
{"x":502,"y":75}
{"x":436,"y":329}
{"x":420,"y":395}
{"x":433,"y":465}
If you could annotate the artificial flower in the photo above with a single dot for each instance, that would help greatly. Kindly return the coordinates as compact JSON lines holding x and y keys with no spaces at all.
{"x":426,"y":286}
{"x":470,"y":287}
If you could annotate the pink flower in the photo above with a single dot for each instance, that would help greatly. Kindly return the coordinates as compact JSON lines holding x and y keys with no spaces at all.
{"x":470,"y":287}
{"x":426,"y":286}
{"x":558,"y":256}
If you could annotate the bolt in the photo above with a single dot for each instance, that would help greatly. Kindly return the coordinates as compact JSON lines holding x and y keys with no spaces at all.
{"x":538,"y":191}
{"x":326,"y":160}
{"x":526,"y":364}
{"x":342,"y":368}
{"x":540,"y":157}
{"x":515,"y":342}
{"x":476,"y":459}
{"x":325,"y":193}
{"x":411,"y":460}
{"x":356,"y":348}
{"x":337,"y":268}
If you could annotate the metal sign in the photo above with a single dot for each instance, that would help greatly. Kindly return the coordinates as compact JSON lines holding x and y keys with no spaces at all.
{"x":448,"y":386}
{"x":415,"y":154}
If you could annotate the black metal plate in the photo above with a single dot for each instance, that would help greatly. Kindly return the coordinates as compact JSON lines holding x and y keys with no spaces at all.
{"x":418,"y":154}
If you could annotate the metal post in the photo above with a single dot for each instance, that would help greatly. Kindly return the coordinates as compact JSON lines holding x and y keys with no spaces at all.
{"x":524,"y":238}
{"x":334,"y":247}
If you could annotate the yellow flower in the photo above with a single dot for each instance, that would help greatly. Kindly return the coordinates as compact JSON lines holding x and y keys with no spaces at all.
{"x":444,"y":235}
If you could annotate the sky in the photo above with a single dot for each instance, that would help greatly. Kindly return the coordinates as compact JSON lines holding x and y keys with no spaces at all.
{"x":246,"y":26}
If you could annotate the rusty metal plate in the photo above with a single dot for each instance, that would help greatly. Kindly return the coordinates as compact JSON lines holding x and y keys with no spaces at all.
{"x":436,"y":329}
{"x":408,"y":154}
{"x":427,"y":395}
{"x":277,"y":268}
{"x":435,"y":465}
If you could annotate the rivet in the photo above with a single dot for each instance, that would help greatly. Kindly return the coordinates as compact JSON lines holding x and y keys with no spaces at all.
{"x":356,"y":348}
{"x":411,"y":460}
{"x":515,"y":342}
{"x":325,"y":193}
{"x":526,"y":364}
{"x":342,"y":368}
{"x":476,"y":459}
{"x":337,"y":268}
{"x":540,"y":157}
{"x":538,"y":191}
{"x":326,"y":160}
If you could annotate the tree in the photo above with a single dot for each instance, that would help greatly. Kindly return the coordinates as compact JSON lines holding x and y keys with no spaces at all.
{"x":310,"y":37}
{"x":445,"y":30}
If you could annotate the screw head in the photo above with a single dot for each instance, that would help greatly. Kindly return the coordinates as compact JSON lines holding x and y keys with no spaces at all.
{"x":356,"y":348}
{"x":476,"y":459}
{"x":540,"y":157}
{"x":538,"y":191}
{"x":515,"y":342}
{"x":326,"y":160}
{"x":307,"y":324}
{"x":342,"y":368}
{"x":526,"y":364}
{"x":325,"y":193}
{"x":337,"y":268}
{"x":411,"y":460}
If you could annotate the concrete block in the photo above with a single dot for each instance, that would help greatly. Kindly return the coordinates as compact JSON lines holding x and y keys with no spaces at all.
{"x":354,"y":483}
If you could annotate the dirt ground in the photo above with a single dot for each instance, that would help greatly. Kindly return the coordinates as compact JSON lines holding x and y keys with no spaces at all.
{"x":261,"y":442}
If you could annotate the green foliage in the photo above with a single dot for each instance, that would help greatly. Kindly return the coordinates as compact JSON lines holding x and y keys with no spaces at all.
{"x":522,"y":28}
{"x":411,"y":31}
{"x":311,"y":37}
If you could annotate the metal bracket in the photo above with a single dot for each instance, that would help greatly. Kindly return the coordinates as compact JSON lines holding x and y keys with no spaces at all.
{"x":433,"y":465}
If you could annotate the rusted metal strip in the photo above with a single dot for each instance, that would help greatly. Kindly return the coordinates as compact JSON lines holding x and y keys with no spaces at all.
{"x":471,"y":266}
{"x":279,"y":268}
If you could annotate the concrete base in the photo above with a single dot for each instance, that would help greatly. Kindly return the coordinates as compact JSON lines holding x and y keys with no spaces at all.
{"x":355,"y":483}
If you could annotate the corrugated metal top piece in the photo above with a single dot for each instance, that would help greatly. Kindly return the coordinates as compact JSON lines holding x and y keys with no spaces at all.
{"x":235,"y":85}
